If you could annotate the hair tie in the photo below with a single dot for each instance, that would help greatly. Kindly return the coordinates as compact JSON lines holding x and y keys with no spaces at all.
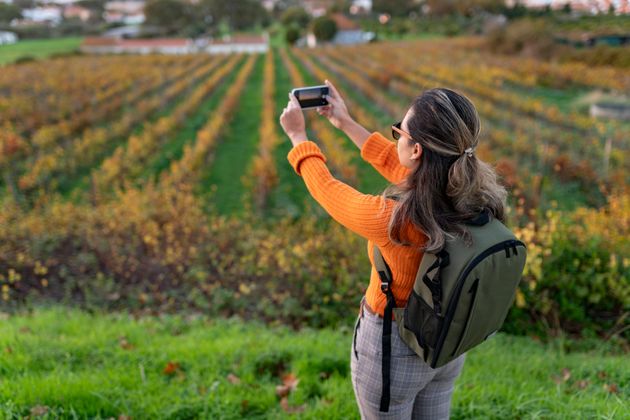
{"x":469,"y":151}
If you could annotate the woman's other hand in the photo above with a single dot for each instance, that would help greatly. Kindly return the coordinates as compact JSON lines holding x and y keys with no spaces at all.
{"x":292,"y":121}
{"x":336,"y":110}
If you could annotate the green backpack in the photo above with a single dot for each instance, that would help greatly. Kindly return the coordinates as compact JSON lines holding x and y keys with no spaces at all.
{"x":460,"y":297}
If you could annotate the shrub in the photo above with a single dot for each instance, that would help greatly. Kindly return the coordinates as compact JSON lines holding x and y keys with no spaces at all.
{"x":157,"y":249}
{"x":292,"y":34}
{"x":532,"y":37}
{"x":324,"y":28}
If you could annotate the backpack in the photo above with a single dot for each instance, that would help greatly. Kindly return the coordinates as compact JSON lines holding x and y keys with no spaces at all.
{"x":460,"y":297}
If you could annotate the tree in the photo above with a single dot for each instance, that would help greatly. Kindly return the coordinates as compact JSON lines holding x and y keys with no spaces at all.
{"x":281,"y":6}
{"x":8,"y":12}
{"x":292,"y":34}
{"x":324,"y":28}
{"x":295,"y":15}
{"x":464,"y":7}
{"x":340,"y":6}
{"x":239,"y":15}
{"x":168,"y":14}
{"x":394,"y":7}
{"x":24,"y":4}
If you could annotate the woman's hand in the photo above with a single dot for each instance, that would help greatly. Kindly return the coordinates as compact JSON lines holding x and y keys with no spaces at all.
{"x":336,"y":110}
{"x":292,"y":121}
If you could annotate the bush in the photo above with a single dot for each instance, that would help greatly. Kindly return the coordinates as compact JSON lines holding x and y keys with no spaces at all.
{"x":538,"y":38}
{"x":24,"y":59}
{"x":292,"y":34}
{"x":324,"y":28}
{"x":601,"y":55}
{"x":577,"y":276}
{"x":159,"y":250}
{"x":533,"y":37}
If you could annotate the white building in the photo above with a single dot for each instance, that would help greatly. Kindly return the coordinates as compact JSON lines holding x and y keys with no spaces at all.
{"x":585,"y":6}
{"x":269,"y":4}
{"x":103,"y":45}
{"x":7,"y":38}
{"x":59,"y":2}
{"x":46,"y":14}
{"x":77,"y":12}
{"x":238,"y":44}
{"x":361,"y":6}
{"x":127,"y":12}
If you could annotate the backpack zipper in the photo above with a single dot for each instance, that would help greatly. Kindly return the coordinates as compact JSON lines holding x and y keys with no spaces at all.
{"x":450,"y":311}
{"x":473,"y":291}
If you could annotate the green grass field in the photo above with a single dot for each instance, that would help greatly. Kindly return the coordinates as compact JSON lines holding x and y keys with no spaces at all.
{"x":66,"y":363}
{"x":38,"y":48}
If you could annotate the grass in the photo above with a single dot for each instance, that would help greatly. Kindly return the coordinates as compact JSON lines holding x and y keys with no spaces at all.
{"x":290,"y":195}
{"x":237,"y":145}
{"x":72,"y":364}
{"x":174,"y":149}
{"x":38,"y":48}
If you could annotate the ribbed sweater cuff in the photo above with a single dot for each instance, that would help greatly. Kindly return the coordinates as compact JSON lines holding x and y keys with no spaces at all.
{"x":374,"y":149}
{"x":303,"y":151}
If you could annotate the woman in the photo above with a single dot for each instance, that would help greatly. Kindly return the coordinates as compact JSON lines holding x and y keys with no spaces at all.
{"x":437,"y":184}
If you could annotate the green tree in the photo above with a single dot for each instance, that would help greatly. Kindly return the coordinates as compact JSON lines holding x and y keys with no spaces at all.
{"x":242,"y":14}
{"x":292,"y":34}
{"x":24,"y":4}
{"x":8,"y":12}
{"x":295,"y":15}
{"x":170,"y":15}
{"x":464,"y":7}
{"x":394,"y":7}
{"x":324,"y":28}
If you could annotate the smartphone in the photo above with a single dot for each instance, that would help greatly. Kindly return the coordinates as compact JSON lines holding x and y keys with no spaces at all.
{"x":311,"y":96}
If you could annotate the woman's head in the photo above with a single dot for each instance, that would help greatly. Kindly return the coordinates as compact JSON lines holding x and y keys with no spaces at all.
{"x":447,"y":184}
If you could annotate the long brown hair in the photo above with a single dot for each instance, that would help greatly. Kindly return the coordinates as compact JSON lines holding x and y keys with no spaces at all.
{"x":451,"y":184}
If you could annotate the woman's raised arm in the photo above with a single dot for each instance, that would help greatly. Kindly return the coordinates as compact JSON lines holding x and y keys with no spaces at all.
{"x":378,"y":151}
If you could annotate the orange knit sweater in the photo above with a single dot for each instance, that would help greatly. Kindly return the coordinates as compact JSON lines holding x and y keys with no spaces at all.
{"x":361,"y":212}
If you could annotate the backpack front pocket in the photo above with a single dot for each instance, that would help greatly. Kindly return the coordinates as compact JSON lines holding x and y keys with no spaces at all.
{"x":421,"y":319}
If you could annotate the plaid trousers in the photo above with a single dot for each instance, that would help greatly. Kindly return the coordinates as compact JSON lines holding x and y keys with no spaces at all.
{"x":417,"y":390}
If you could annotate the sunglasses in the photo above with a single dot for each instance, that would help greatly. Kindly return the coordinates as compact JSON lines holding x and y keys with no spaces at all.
{"x":397,"y":131}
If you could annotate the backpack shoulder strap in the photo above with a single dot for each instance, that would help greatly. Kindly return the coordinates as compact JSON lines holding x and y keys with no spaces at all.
{"x":427,"y":269}
{"x":386,"y":282}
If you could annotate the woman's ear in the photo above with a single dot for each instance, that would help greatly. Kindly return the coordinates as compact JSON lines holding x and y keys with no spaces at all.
{"x":416,"y":152}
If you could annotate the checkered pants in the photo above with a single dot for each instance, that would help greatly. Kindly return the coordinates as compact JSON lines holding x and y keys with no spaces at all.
{"x":417,"y":391}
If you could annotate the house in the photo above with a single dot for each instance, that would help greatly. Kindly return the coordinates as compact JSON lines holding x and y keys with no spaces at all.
{"x":127,"y":12}
{"x":317,"y":8}
{"x":227,"y":45}
{"x":581,"y":6}
{"x":82,"y":13}
{"x":103,"y":45}
{"x":269,"y":4}
{"x":7,"y":38}
{"x":361,"y":7}
{"x":57,"y":2}
{"x":51,"y":15}
{"x":128,"y":31}
{"x":348,"y":32}
{"x":238,"y":44}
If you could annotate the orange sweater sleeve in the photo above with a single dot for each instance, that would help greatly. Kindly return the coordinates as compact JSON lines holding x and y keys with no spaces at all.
{"x":383,"y":156}
{"x":364,"y":214}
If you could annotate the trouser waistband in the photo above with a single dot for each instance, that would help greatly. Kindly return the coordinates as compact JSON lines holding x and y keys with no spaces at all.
{"x":365,"y":307}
